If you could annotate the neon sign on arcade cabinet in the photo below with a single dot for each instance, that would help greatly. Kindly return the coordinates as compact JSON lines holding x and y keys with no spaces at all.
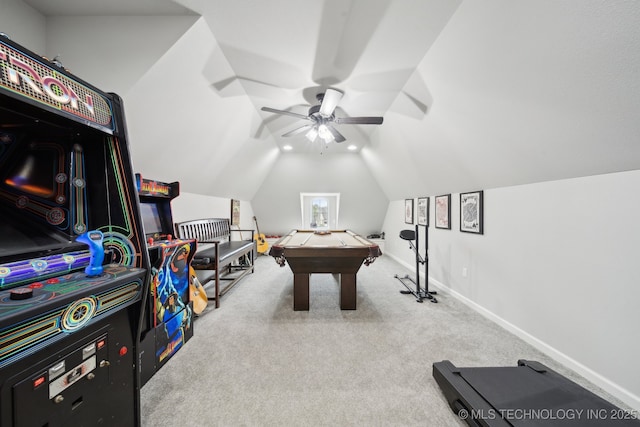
{"x":169,"y":323}
{"x":74,"y":269}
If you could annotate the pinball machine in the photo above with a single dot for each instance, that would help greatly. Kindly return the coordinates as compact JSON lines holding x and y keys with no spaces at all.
{"x":74,"y":268}
{"x":168,"y":321}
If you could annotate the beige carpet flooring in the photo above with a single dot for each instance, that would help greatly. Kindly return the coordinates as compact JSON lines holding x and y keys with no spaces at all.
{"x":256,"y":362}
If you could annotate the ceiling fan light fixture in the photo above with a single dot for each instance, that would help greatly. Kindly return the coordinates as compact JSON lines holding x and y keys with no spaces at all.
{"x":325,"y":133}
{"x":322,"y":119}
{"x":312,"y":134}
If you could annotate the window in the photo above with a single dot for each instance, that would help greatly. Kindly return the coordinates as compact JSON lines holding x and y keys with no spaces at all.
{"x":319,"y":210}
{"x":319,"y":213}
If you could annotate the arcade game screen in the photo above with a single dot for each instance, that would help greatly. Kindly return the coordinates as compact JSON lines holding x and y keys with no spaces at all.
{"x":49,"y":169}
{"x":151,"y":219}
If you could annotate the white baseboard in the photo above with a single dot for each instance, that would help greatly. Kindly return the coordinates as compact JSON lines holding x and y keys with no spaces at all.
{"x":607,"y":385}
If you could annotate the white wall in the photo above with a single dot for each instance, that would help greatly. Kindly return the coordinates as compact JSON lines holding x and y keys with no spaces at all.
{"x":23,"y":24}
{"x":557,"y":265}
{"x":188,"y":206}
{"x":277,"y":202}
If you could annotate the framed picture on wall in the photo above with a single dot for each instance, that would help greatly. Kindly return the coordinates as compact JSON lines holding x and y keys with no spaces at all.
{"x":235,"y":212}
{"x":471,"y":212}
{"x":443,"y":211}
{"x":423,"y":211}
{"x":408,"y":211}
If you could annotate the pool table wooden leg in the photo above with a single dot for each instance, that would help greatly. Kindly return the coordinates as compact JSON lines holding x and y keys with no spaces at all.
{"x":347,"y":291}
{"x":301,"y":291}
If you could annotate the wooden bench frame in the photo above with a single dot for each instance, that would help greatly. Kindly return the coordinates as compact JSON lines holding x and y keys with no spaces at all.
{"x":222,"y":254}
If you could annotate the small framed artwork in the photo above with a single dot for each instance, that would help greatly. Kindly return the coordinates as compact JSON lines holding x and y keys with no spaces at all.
{"x":423,"y":211}
{"x":408,"y":211}
{"x":235,"y":212}
{"x":443,"y":211}
{"x":471,"y":212}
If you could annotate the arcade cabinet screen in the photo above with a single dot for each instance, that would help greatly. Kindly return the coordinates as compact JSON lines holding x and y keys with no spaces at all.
{"x":151,"y":220}
{"x":34,"y":195}
{"x":20,"y":240}
{"x":31,"y":176}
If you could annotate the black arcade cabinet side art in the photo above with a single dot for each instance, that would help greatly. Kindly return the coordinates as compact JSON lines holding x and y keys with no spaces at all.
{"x":74,"y":268}
{"x":168,"y":323}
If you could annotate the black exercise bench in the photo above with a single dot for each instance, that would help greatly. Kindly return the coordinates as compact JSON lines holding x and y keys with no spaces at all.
{"x":219,"y":251}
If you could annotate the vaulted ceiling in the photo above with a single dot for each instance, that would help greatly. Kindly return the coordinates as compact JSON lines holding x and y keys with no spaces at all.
{"x":474,"y":93}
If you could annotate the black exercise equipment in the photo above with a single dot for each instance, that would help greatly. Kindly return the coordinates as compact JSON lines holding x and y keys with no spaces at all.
{"x":420,"y":294}
{"x":529,"y":394}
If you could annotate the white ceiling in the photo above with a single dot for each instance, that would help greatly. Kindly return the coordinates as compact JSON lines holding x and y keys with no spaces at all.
{"x":475,"y":93}
{"x":283,"y":52}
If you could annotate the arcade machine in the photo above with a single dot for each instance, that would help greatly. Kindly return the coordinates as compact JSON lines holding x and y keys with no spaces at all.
{"x":168,"y":322}
{"x":74,"y":267}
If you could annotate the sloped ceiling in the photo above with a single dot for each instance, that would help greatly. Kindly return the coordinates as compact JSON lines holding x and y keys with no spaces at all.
{"x":518,"y":92}
{"x":475,"y":94}
{"x":283,"y":53}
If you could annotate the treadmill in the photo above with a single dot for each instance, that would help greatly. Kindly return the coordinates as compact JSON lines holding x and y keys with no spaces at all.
{"x":526,"y":395}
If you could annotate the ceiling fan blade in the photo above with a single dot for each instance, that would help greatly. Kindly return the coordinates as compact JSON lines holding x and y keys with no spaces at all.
{"x":299,"y":130}
{"x":336,"y":135}
{"x":329,"y":102}
{"x":358,"y":120}
{"x":286,"y":113}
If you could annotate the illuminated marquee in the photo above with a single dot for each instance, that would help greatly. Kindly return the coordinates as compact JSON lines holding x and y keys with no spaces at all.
{"x":33,"y":79}
{"x":154,"y":188}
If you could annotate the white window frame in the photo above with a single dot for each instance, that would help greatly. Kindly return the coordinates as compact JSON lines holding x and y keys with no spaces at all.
{"x":333,"y":200}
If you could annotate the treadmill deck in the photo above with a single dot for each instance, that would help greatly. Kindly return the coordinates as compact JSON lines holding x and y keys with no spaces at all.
{"x":526,"y":395}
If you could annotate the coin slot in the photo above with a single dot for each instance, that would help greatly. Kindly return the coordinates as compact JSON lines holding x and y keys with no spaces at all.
{"x":76,"y":403}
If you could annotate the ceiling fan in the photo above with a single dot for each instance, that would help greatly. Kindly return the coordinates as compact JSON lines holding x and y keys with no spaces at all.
{"x":322,"y":118}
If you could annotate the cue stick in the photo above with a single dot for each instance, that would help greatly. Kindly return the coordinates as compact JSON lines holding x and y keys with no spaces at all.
{"x":306,"y":240}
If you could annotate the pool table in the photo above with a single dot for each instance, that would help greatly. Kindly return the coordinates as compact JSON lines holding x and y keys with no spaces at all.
{"x":337,"y":251}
